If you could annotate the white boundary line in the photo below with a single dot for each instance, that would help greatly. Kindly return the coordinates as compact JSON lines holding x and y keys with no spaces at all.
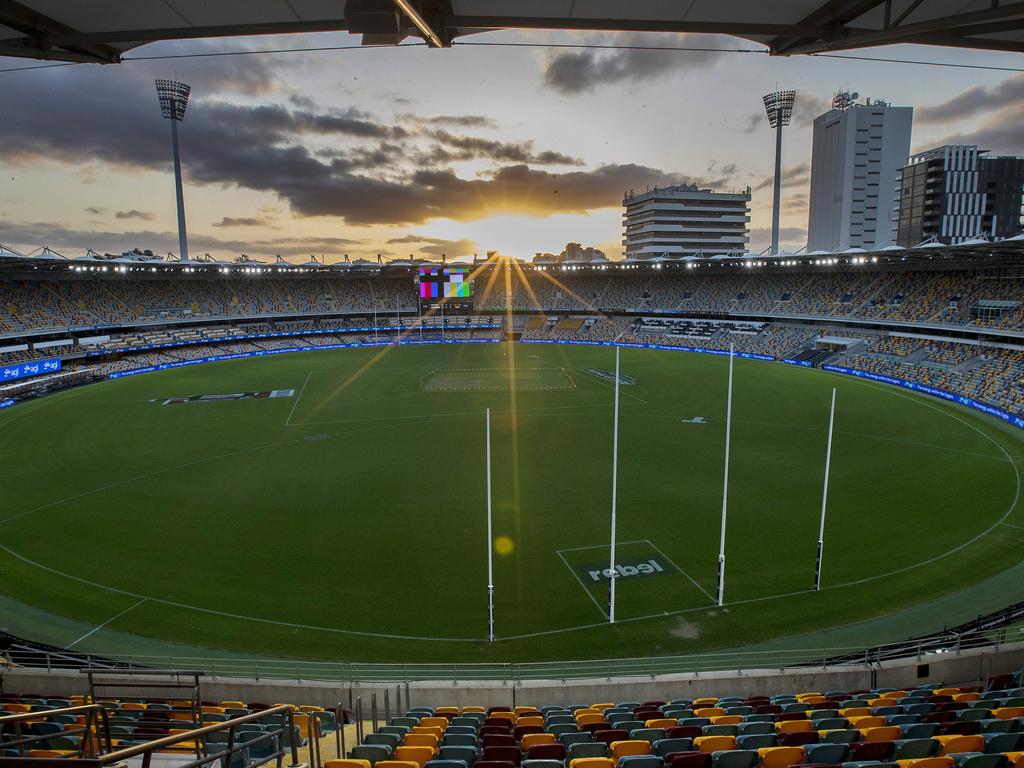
{"x":98,"y":627}
{"x":600,"y":546}
{"x":692,"y":580}
{"x":1011,"y":525}
{"x":580,"y":581}
{"x":288,"y":421}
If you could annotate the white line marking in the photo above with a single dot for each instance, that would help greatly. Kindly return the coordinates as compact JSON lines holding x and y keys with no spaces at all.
{"x":580,"y":581}
{"x":692,"y":580}
{"x":98,"y":627}
{"x":1011,"y":525}
{"x":602,"y":382}
{"x":599,"y":546}
{"x":302,"y":389}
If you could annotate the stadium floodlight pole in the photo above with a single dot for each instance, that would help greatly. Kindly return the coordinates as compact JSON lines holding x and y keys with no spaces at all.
{"x":779,"y":108}
{"x":824,"y":495}
{"x":615,"y":483}
{"x":490,"y":541}
{"x":374,"y":319}
{"x":725,"y":484}
{"x":173,"y":97}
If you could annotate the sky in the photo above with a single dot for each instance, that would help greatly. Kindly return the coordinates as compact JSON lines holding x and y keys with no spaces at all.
{"x":413,"y":151}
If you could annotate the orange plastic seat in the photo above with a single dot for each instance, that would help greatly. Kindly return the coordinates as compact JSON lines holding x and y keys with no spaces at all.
{"x":802,"y":697}
{"x":307,"y":708}
{"x":350,"y":763}
{"x":954,"y":743}
{"x":588,"y":711}
{"x":708,"y":712}
{"x":453,"y":711}
{"x":862,"y":723}
{"x":882,"y":702}
{"x":592,"y":762}
{"x":474,"y":709}
{"x":588,"y":719}
{"x":780,"y":757}
{"x":389,"y":764}
{"x":531,"y":720}
{"x":1008,"y":713}
{"x":136,"y":706}
{"x":438,"y":722}
{"x":630,"y":747}
{"x":855,"y":712}
{"x":662,"y":722}
{"x":972,"y":696}
{"x":1016,"y":759}
{"x":17,"y":707}
{"x":881,"y":733}
{"x":418,"y":755}
{"x":705,"y":701}
{"x":717,"y":720}
{"x":945,"y":691}
{"x":504,"y":715}
{"x":793,"y":726}
{"x":927,"y":762}
{"x":421,"y":740}
{"x":228,"y":704}
{"x":714,"y":743}
{"x":602,"y":707}
{"x":524,"y":710}
{"x":533,"y":739}
{"x":430,"y":730}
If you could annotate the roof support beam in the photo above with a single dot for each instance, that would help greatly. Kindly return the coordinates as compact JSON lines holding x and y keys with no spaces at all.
{"x":629,"y":25}
{"x":831,"y":15}
{"x":38,"y":28}
{"x":910,"y":33}
{"x":433,"y":38}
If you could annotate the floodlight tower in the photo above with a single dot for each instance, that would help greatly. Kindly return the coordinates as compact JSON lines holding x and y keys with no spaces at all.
{"x":779,"y":107}
{"x":173,"y":98}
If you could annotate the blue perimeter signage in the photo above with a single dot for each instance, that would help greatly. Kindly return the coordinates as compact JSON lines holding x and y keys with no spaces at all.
{"x":24,"y":370}
{"x":1009,"y":418}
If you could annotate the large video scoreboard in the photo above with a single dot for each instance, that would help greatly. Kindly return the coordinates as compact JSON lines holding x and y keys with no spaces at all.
{"x":450,"y":285}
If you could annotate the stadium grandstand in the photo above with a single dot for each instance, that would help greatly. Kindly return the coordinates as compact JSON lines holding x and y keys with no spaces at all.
{"x":691,"y":507}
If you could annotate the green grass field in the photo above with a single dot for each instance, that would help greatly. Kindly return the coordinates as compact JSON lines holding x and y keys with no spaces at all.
{"x":347,"y":521}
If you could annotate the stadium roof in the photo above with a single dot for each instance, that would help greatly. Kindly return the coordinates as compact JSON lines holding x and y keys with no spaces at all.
{"x":101,"y":31}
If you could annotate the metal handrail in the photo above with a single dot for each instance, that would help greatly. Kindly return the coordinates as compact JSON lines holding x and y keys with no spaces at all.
{"x":89,"y":741}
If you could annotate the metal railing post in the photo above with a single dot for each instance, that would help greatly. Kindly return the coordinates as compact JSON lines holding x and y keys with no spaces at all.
{"x":339,"y":732}
{"x":387,"y":706}
{"x":359,"y":720}
{"x":373,"y":709}
{"x":290,"y":720}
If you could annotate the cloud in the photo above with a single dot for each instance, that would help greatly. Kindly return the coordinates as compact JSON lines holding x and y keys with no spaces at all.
{"x":134,"y":214}
{"x":795,"y":204}
{"x":244,"y":221}
{"x":95,"y":210}
{"x":792,"y":176}
{"x":105,"y":116}
{"x":71,"y":240}
{"x":973,"y":102}
{"x":452,"y":121}
{"x":575,"y":72}
{"x":436,"y":246}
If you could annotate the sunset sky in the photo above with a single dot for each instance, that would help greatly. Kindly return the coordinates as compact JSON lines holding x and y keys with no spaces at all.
{"x":460,"y":151}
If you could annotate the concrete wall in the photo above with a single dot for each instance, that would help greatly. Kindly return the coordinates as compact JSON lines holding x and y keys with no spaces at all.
{"x":967,"y":667}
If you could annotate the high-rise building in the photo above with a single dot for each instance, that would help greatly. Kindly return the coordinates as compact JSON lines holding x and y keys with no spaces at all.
{"x":954,"y":193}
{"x":857,"y":151}
{"x":685,"y":220}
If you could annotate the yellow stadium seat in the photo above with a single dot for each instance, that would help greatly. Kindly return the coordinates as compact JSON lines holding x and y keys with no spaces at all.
{"x":135,"y":706}
{"x":927,"y":762}
{"x":421,"y":740}
{"x":855,"y":712}
{"x":504,"y":715}
{"x":438,"y":722}
{"x":793,"y":726}
{"x":706,"y":701}
{"x":716,"y":720}
{"x":780,"y":757}
{"x":587,"y":719}
{"x":881,"y":733}
{"x":708,"y":712}
{"x":418,"y":755}
{"x":714,"y":743}
{"x":206,"y":710}
{"x":227,"y":704}
{"x":342,"y":763}
{"x":453,"y":711}
{"x":474,"y":709}
{"x":17,"y":707}
{"x":895,"y":694}
{"x":307,"y":708}
{"x":946,"y":691}
{"x":586,"y":711}
{"x":972,"y":696}
{"x":602,"y":707}
{"x":1016,"y":759}
{"x":592,"y":762}
{"x":531,"y":720}
{"x":630,"y":747}
{"x":518,"y":711}
{"x":882,"y":702}
{"x":431,"y":730}
{"x":870,"y":721}
{"x":533,"y":739}
{"x":953,"y":744}
{"x":802,"y":697}
{"x":392,"y":764}
{"x":1008,"y":713}
{"x":663,"y":722}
